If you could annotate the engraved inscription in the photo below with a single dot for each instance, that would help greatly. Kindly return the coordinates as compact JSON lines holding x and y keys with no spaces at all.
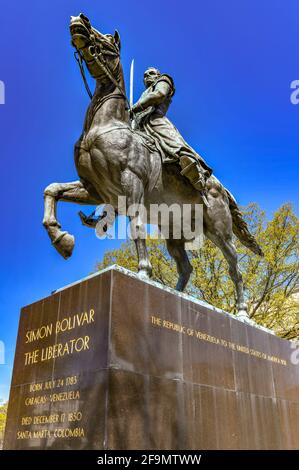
{"x":202,"y":336}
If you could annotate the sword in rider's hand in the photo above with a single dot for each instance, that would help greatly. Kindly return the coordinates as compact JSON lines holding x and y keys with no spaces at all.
{"x":131,"y":83}
{"x":131,"y":88}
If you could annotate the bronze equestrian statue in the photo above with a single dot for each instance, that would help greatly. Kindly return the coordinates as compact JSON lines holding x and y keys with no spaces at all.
{"x":114,"y":159}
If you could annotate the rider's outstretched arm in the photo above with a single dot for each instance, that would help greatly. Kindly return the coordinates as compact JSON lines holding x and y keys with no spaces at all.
{"x":153,"y":98}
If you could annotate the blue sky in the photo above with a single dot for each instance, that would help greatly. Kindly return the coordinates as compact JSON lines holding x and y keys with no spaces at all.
{"x":232,"y":63}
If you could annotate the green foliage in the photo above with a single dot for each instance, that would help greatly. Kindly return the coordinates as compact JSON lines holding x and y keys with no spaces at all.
{"x":3,"y":413}
{"x":272,"y":282}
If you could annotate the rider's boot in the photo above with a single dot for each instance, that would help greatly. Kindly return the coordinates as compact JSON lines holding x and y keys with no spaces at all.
{"x":194,"y":172}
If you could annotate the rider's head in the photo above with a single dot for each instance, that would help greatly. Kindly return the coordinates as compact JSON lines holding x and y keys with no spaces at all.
{"x":150,"y":76}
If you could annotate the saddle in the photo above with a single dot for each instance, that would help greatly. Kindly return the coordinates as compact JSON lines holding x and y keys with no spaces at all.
{"x":147,"y":141}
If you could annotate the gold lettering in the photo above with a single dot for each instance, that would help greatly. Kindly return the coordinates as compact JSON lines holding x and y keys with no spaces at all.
{"x":36,"y":387}
{"x":26,"y":420}
{"x":24,"y":435}
{"x":64,"y":396}
{"x":41,"y":434}
{"x":163,"y":323}
{"x":243,"y":349}
{"x":44,"y":419}
{"x":67,"y":432}
{"x":31,"y":357}
{"x":39,"y":333}
{"x":38,"y":400}
{"x":156,"y":321}
{"x":69,"y":323}
{"x":59,"y":350}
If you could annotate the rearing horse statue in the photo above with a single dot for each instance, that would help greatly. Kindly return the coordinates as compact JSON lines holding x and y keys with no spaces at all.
{"x":113,"y":160}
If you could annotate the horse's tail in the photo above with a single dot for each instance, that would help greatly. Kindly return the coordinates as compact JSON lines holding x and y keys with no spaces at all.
{"x":240,"y":227}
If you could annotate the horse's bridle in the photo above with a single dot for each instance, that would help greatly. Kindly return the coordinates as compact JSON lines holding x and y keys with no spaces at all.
{"x":98,"y":57}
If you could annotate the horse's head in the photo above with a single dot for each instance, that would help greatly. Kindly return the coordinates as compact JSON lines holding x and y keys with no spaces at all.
{"x":101,"y":52}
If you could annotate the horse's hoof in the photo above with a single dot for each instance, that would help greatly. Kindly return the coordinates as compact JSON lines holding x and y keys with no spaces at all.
{"x":182,"y":282}
{"x":64,"y":244}
{"x":242,"y":314}
{"x":144,"y":274}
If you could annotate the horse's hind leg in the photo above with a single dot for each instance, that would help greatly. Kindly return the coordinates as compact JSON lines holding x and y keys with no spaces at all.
{"x":134,"y":191}
{"x":226,"y":245}
{"x":176,"y":249}
{"x":69,"y":192}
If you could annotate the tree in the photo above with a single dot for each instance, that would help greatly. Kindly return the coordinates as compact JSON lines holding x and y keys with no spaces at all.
{"x":272,"y":282}
{"x":3,"y":413}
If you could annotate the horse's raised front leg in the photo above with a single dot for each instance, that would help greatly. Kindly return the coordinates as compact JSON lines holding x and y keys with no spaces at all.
{"x":134,"y":191}
{"x":68,"y":192}
{"x":176,"y":249}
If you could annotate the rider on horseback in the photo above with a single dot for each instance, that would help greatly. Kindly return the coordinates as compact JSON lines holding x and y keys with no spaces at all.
{"x":150,"y":117}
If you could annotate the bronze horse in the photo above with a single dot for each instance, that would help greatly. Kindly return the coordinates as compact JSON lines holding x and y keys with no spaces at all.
{"x":113,"y":160}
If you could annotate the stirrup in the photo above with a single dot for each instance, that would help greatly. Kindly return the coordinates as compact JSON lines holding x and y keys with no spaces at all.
{"x":199,"y":184}
{"x":88,"y":221}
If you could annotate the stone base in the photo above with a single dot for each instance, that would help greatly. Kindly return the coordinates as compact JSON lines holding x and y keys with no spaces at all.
{"x":115,"y":362}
